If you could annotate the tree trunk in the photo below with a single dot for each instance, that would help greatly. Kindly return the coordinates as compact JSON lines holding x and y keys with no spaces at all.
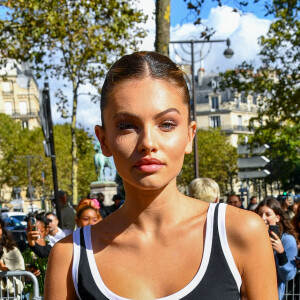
{"x":74,"y":148}
{"x":162,"y":36}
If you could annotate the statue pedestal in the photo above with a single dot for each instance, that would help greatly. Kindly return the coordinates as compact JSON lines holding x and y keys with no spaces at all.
{"x":107,"y":188}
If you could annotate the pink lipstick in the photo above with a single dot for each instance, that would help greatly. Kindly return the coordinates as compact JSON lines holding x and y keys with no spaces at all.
{"x":148,"y":165}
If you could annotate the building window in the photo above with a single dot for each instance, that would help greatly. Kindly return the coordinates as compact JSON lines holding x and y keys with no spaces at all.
{"x":240,"y":122}
{"x":243,"y":98}
{"x":215,"y":121}
{"x":8,"y":108}
{"x":23,"y":107}
{"x":7,"y":87}
{"x":25,"y":124}
{"x":215,"y":102}
{"x":254,"y":99}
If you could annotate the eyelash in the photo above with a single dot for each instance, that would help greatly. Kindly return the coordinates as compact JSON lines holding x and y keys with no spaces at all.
{"x":171,"y":125}
{"x":125,"y":125}
{"x":165,"y":126}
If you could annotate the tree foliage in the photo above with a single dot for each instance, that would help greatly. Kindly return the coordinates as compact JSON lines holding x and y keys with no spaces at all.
{"x":15,"y":143}
{"x":276,"y":85}
{"x":71,"y":40}
{"x":217,"y":160}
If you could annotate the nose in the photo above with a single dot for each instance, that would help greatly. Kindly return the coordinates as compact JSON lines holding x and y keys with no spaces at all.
{"x":264,"y":217}
{"x":147,"y":140}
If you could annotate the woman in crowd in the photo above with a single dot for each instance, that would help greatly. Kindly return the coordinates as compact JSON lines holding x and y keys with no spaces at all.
{"x":296,"y":224}
{"x":36,"y":255}
{"x":10,"y":259}
{"x":284,"y":244}
{"x":160,"y":243}
{"x":87,"y":212}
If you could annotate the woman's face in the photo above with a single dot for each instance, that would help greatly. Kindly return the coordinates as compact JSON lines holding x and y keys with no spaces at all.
{"x":87,"y":217}
{"x":268,"y":215}
{"x":0,"y":231}
{"x":40,"y":226}
{"x":147,"y":132}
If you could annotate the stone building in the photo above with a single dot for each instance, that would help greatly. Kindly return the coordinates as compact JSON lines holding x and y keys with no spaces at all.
{"x":19,"y":98}
{"x":229,"y":111}
{"x":19,"y":94}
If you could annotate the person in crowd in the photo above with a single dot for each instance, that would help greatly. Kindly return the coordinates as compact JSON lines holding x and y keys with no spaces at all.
{"x":235,"y":200}
{"x":253,"y":203}
{"x":284,"y":243}
{"x":104,"y":210}
{"x":153,"y":245}
{"x":287,"y":206}
{"x":36,"y":255}
{"x":118,"y":202}
{"x":296,"y":224}
{"x":67,"y":213}
{"x":87,"y":212}
{"x":205,"y":189}
{"x":55,"y":233}
{"x":11,"y":259}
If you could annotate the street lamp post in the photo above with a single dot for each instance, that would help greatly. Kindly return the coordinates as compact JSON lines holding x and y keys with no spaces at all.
{"x":228,"y":53}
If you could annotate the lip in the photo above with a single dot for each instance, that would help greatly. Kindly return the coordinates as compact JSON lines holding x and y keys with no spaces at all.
{"x":148,"y":165}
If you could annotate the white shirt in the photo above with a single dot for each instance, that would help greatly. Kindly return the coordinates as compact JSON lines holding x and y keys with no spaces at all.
{"x":53,"y":239}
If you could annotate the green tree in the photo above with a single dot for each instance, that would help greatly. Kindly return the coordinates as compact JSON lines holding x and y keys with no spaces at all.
{"x":276,"y":87}
{"x":15,"y":143}
{"x":162,"y":17}
{"x":70,"y":40}
{"x":217,"y":160}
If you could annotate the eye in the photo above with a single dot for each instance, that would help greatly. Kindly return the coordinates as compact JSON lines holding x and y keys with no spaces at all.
{"x":124,"y":125}
{"x":168,"y":125}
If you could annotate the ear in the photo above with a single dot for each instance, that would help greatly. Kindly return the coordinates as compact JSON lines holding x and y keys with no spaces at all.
{"x":191,"y":135}
{"x":101,"y":135}
{"x":277,"y":218}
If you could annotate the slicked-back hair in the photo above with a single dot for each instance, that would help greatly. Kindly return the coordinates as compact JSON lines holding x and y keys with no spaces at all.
{"x":139,"y":65}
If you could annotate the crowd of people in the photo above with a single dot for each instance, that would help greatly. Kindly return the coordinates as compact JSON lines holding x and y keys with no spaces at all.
{"x":42,"y":233}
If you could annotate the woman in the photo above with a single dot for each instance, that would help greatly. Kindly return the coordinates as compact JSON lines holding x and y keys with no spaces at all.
{"x":160,"y":243}
{"x":10,"y":259}
{"x":87,"y":212}
{"x":284,"y":244}
{"x":36,"y":255}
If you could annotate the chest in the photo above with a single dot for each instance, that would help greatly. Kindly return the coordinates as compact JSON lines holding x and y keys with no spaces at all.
{"x":156,"y":268}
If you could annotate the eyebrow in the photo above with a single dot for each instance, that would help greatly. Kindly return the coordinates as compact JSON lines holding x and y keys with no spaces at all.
{"x":157,"y":116}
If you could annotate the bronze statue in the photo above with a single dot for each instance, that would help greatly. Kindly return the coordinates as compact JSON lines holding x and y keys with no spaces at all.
{"x":101,"y":162}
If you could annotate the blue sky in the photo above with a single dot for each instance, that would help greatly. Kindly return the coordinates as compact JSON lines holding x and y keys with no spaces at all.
{"x":181,"y":15}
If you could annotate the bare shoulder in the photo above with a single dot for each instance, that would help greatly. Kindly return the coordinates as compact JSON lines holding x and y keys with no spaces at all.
{"x":59,"y":271}
{"x":243,"y":226}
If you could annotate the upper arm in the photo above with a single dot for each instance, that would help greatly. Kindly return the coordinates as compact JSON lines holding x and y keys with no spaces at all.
{"x":58,"y":281}
{"x":251,"y":248}
{"x":289,"y":270}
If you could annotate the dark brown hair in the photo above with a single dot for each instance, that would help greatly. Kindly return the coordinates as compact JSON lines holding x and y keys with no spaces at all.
{"x":6,"y":240}
{"x":284,"y":224}
{"x":139,"y":65}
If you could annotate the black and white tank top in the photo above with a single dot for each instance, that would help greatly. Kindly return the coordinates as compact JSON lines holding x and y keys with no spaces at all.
{"x":216,"y":278}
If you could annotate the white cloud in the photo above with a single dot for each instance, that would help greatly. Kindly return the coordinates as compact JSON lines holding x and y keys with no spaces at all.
{"x":243,"y":31}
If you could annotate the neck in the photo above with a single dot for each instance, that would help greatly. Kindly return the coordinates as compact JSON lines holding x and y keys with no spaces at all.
{"x":54,"y":232}
{"x":152,"y":210}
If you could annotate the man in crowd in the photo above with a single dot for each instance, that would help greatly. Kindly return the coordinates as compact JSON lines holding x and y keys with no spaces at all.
{"x":253,"y":203}
{"x":234,"y":200}
{"x":205,"y":189}
{"x":67,"y":213}
{"x":117,"y":199}
{"x":55,"y":233}
{"x":104,"y":210}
